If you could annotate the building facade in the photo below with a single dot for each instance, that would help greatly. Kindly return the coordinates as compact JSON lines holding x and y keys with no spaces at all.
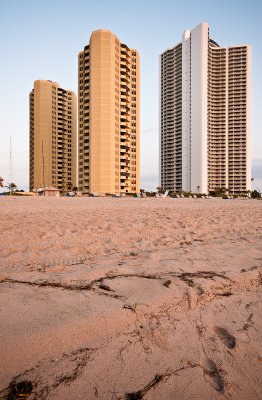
{"x":205,"y":115}
{"x":108,"y":116}
{"x":53,"y":137}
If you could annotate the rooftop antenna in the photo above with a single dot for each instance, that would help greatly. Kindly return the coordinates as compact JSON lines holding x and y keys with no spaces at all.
{"x":43,"y":165}
{"x":10,"y":167}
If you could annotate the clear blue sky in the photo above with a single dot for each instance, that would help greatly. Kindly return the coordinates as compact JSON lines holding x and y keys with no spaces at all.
{"x":40,"y":39}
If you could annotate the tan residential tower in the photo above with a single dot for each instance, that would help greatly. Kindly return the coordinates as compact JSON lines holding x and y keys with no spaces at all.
{"x":53,"y":147}
{"x":108,"y":116}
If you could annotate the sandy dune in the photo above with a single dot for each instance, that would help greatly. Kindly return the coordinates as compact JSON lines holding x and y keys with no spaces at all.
{"x":131,"y":298}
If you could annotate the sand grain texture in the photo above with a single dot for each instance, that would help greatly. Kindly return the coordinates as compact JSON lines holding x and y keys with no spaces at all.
{"x":131,"y":298}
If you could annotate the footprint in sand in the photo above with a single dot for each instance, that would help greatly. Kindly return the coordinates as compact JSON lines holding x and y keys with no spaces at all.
{"x":211,"y":374}
{"x":225,"y":337}
{"x":199,"y":290}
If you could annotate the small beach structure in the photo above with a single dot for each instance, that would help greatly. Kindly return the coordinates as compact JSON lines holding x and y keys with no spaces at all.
{"x":49,"y":191}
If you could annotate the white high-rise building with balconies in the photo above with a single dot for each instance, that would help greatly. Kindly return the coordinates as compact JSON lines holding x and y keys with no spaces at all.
{"x":205,"y":115}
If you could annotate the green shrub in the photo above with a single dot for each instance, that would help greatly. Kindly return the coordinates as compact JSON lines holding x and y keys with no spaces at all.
{"x":255,"y":194}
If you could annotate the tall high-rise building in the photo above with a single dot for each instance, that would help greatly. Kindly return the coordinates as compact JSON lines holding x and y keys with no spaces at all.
{"x":205,"y":115}
{"x":53,"y":146}
{"x":109,"y":116}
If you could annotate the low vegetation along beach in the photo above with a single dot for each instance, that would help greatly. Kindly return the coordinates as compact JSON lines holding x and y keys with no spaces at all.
{"x":128,"y":298}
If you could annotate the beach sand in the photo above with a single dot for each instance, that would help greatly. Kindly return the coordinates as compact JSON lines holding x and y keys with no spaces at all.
{"x":109,"y":299}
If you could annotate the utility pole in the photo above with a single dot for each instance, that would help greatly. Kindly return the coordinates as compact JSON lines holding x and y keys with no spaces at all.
{"x":10,"y":167}
{"x":43,"y":165}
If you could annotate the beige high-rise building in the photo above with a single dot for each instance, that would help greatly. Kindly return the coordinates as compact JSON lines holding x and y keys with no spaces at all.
{"x":53,"y":140}
{"x":109,"y":116}
{"x":205,"y":115}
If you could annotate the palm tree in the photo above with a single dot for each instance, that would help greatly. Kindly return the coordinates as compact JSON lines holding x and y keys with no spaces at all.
{"x":11,"y":186}
{"x":160,"y":190}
